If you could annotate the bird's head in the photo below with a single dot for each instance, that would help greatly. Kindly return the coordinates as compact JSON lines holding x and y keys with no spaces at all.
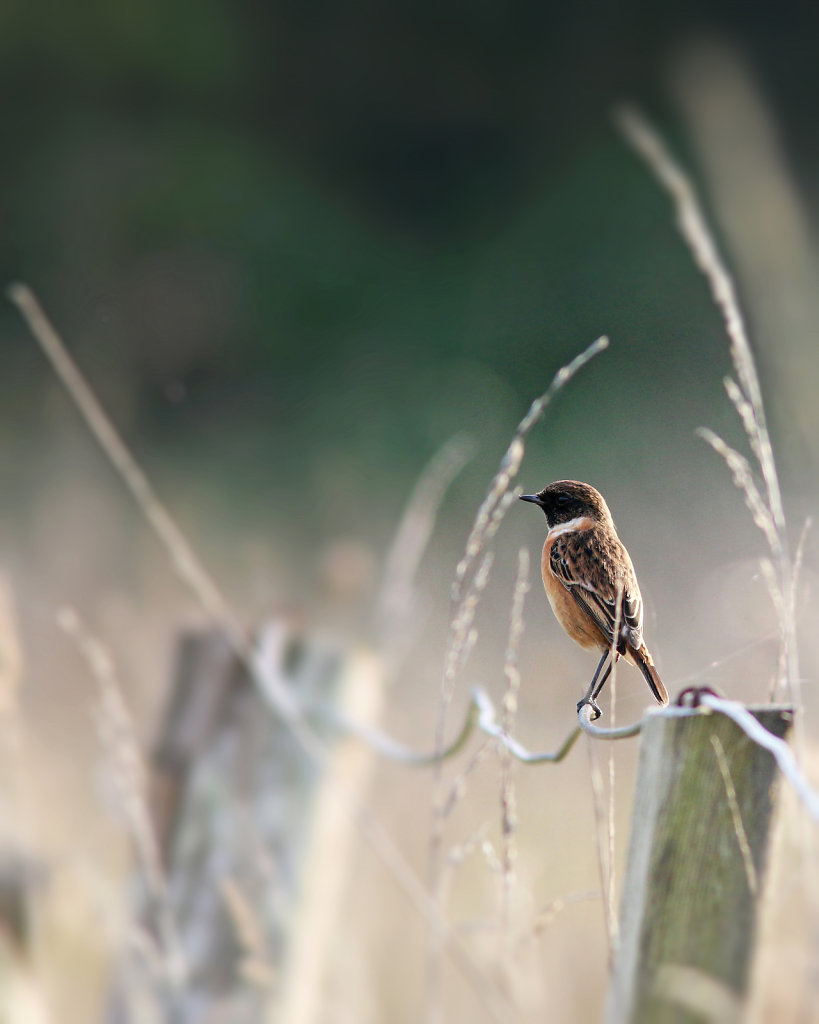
{"x":565,"y":500}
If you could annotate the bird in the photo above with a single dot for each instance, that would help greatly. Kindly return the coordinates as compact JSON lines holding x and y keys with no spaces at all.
{"x":591,"y":584}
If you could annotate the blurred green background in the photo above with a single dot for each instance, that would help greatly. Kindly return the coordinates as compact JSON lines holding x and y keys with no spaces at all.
{"x":297,"y":246}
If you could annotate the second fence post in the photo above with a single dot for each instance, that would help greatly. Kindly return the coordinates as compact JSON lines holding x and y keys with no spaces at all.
{"x":702,"y":817}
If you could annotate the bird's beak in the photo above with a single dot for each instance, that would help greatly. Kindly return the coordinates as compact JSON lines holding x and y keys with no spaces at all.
{"x":531,"y":497}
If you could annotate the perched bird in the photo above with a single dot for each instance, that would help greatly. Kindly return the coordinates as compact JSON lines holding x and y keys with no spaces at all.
{"x":586,"y":571}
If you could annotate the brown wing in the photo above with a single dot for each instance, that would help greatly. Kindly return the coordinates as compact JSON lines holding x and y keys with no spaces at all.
{"x":594,"y":566}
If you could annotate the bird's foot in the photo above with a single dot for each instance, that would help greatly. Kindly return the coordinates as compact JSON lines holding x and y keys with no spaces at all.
{"x":596,"y":712}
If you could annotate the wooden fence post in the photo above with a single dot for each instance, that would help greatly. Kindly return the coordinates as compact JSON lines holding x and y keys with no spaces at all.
{"x":255,"y":852}
{"x":697,"y":857}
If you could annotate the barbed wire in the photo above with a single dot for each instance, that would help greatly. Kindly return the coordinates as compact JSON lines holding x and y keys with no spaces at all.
{"x":481,"y":716}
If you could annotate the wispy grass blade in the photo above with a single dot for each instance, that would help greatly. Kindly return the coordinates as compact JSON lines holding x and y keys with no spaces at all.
{"x":744,"y":479}
{"x":471,"y":575}
{"x":508,"y":798}
{"x":745,"y":392}
{"x":510,"y":464}
{"x":183,"y":558}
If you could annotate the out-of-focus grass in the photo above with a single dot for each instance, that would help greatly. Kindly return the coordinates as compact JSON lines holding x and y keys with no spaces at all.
{"x":309,"y":529}
{"x":94,"y":549}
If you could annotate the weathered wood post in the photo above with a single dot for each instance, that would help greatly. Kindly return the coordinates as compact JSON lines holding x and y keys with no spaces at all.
{"x":702,"y":817}
{"x":255,"y":851}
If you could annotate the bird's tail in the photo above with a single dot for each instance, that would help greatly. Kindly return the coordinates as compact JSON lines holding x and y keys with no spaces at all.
{"x":646,"y":666}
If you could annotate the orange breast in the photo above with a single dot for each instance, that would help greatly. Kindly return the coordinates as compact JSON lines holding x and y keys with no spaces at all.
{"x":574,"y":620}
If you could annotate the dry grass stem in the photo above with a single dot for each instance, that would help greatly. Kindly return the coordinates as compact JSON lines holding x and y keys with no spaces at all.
{"x":476,"y":541}
{"x":744,"y":479}
{"x":746,"y":414}
{"x":508,"y":799}
{"x":469,"y":584}
{"x":462,"y":634}
{"x":790,"y":611}
{"x":455,"y":858}
{"x":745,"y":393}
{"x":440,"y":878}
{"x":182,"y":556}
{"x":694,"y":229}
{"x":799,"y":557}
{"x":736,"y":815}
{"x":127,"y":771}
{"x":510,"y":464}
{"x":184,"y":560}
{"x":611,"y":888}
{"x":466,"y":590}
{"x":604,"y":809}
{"x":457,"y":789}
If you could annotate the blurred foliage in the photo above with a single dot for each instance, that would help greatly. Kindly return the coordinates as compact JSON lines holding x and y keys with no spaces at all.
{"x":305,"y":235}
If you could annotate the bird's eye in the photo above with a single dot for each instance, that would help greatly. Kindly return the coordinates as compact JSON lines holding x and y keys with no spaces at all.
{"x":563,"y":499}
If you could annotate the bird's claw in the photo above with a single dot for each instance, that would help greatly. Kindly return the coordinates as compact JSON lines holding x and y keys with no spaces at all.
{"x":596,"y":712}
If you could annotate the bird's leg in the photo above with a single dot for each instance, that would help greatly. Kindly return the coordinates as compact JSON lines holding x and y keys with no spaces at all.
{"x":603,"y":678}
{"x":591,"y":693}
